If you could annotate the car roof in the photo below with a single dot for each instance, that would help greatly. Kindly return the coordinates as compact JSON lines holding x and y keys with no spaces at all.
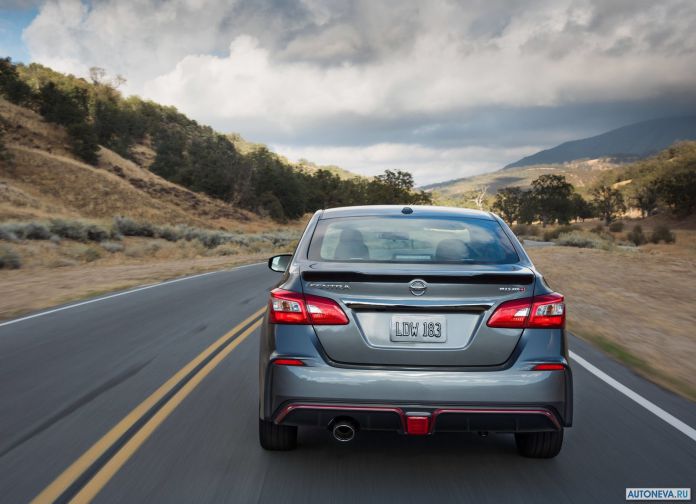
{"x":394,"y":210}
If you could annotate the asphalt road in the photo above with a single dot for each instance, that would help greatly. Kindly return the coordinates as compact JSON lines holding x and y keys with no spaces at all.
{"x":71,"y":379}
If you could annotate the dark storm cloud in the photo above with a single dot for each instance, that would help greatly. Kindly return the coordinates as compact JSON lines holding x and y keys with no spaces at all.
{"x":478,"y":78}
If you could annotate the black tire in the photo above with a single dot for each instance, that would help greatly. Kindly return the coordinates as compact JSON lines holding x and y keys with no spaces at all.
{"x":539,"y":444}
{"x":277,"y":437}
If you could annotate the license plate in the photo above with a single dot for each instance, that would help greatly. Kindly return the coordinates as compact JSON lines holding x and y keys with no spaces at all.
{"x":418,"y":329}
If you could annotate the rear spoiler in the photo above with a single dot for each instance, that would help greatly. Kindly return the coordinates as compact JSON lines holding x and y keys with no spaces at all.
{"x":521,"y":278}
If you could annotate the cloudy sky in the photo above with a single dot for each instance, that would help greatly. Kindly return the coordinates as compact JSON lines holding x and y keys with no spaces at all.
{"x":443,"y":89}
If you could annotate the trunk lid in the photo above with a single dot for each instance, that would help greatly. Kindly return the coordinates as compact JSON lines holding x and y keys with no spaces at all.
{"x":394,"y":320}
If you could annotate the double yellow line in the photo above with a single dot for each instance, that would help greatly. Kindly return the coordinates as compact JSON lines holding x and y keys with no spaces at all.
{"x":81,"y":468}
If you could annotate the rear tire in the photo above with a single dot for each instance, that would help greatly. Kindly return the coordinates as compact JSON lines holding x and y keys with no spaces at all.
{"x":539,"y":444}
{"x":277,"y":437}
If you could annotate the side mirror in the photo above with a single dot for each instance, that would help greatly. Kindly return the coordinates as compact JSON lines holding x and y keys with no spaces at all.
{"x":280,"y":262}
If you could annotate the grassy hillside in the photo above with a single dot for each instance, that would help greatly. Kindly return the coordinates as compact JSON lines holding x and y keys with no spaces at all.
{"x":44,"y":178}
{"x":582,"y":174}
{"x":95,"y":115}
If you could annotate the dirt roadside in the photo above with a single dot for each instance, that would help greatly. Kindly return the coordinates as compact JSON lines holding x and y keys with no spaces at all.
{"x":26,"y":290}
{"x":637,"y":306}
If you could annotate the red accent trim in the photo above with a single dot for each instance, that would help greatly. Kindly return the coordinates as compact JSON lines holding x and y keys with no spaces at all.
{"x":287,"y":362}
{"x":496,"y":411}
{"x":343,"y":407}
{"x":550,"y":366}
{"x":286,"y":410}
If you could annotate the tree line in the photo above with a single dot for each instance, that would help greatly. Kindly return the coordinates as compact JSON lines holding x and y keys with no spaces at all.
{"x":665,"y":182}
{"x":95,"y":113}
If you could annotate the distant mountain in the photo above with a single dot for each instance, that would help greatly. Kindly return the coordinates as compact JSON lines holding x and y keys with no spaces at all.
{"x":626,"y":143}
{"x":583,"y":174}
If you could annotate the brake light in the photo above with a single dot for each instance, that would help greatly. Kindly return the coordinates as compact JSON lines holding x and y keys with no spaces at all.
{"x":417,"y":425}
{"x":511,"y":314}
{"x":546,"y":311}
{"x":287,"y":307}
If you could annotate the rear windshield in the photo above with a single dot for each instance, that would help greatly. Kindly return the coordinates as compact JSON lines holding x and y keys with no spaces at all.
{"x":411,"y":240}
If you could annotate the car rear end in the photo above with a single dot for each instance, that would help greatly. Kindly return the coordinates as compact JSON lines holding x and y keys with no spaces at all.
{"x":417,"y":320}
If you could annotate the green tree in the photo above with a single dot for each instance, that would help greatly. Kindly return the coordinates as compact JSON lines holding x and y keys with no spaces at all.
{"x":678,"y":191}
{"x":63,"y":107}
{"x":171,"y":160}
{"x":4,"y":153}
{"x":12,"y":86}
{"x":508,"y":202}
{"x":527,"y":211}
{"x":608,"y":201}
{"x":396,"y":187}
{"x":582,"y":209}
{"x":551,"y":198}
{"x":83,"y":142}
{"x":646,"y":198}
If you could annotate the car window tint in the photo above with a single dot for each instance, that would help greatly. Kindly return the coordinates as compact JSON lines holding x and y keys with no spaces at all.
{"x":412,"y":240}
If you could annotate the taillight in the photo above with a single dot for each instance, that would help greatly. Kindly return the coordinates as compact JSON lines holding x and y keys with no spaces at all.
{"x":287,"y":307}
{"x":511,"y":314}
{"x":546,"y":311}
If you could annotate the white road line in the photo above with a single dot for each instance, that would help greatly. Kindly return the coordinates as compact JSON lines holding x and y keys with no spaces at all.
{"x":110,"y":296}
{"x":650,"y":406}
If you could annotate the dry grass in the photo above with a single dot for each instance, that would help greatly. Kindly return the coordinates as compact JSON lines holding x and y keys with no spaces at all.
{"x":46,"y":180}
{"x":26,"y":290}
{"x":638,"y":305}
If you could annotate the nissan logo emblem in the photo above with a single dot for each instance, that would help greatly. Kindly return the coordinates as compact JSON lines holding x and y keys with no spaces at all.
{"x":418,"y":287}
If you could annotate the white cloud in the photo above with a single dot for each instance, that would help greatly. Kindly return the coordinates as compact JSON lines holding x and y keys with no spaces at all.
{"x":291,"y":68}
{"x":428,"y":165}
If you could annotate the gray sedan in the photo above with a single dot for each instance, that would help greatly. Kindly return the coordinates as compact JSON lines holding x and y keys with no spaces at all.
{"x":413,"y":319}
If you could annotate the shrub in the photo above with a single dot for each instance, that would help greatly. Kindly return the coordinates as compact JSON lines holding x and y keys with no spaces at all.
{"x":599,"y":228}
{"x":9,"y":259}
{"x":91,"y":254}
{"x":97,"y":233}
{"x":552,"y":234}
{"x":70,"y":230}
{"x":169,"y":233}
{"x":129,"y":227}
{"x":636,"y":236}
{"x":112,"y":247}
{"x":148,"y":249}
{"x":583,"y":240}
{"x":226,"y":250}
{"x":616,"y":227}
{"x":533,"y":231}
{"x":525,"y":230}
{"x":211,"y":239}
{"x":83,"y":253}
{"x":662,"y":233}
{"x":7,"y":233}
{"x":520,"y":229}
{"x":12,"y":231}
{"x":36,"y":231}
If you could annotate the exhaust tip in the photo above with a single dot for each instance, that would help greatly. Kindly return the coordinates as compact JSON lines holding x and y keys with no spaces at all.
{"x":344,"y":431}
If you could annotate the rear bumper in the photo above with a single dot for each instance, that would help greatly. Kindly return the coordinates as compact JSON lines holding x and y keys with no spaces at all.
{"x":439,"y":419}
{"x":511,"y":400}
{"x":465,"y":399}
